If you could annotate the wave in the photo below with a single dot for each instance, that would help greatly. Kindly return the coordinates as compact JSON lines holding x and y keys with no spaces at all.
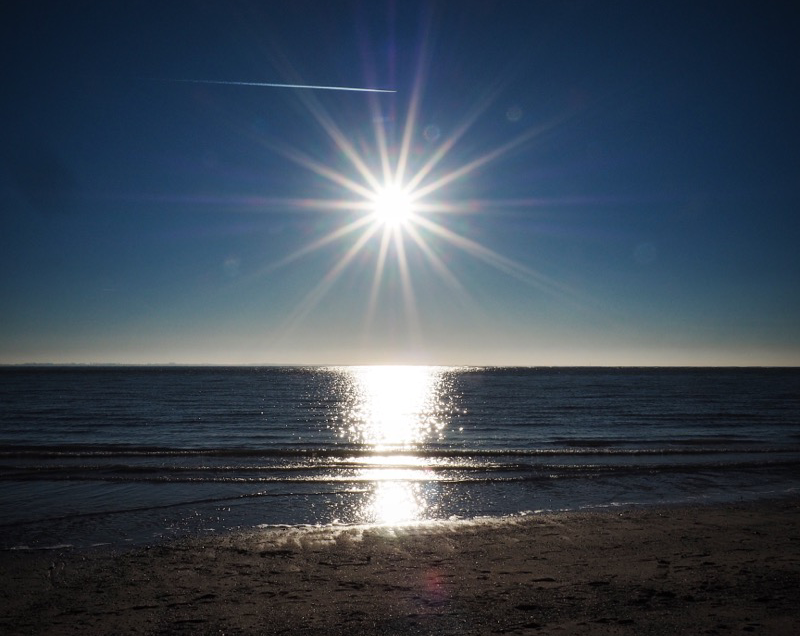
{"x":177,"y":504}
{"x":372,"y":474}
{"x":573,"y":448}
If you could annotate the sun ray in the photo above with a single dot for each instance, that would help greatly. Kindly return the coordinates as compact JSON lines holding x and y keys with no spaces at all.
{"x":381,"y":141}
{"x":378,"y":276}
{"x":498,"y":261}
{"x":405,"y":144}
{"x":481,"y":161}
{"x":333,"y":131}
{"x":339,"y":139}
{"x":314,"y":204}
{"x":445,"y":147}
{"x":327,"y":172}
{"x":316,"y":294}
{"x":408,"y":292}
{"x":438,"y":265}
{"x":413,"y":107}
{"x":321,"y":242}
{"x":478,"y":206}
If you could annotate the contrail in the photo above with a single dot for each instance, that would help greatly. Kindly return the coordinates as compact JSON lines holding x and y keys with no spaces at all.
{"x":303,"y":86}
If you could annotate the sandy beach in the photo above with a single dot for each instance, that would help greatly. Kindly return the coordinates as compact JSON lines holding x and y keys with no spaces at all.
{"x":689,"y":570}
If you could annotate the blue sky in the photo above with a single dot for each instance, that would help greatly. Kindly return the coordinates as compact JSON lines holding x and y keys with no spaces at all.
{"x":602,"y":183}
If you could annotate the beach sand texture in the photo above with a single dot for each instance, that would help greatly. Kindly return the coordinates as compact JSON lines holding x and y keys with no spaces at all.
{"x":689,"y":570}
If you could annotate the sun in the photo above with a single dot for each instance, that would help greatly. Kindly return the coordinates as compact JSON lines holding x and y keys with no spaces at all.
{"x":392,"y":206}
{"x":395,"y":200}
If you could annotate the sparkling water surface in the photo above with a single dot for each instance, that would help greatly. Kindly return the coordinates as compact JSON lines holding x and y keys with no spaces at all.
{"x":127,"y":455}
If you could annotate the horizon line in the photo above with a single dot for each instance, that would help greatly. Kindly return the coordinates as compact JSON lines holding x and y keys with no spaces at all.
{"x":391,"y":364}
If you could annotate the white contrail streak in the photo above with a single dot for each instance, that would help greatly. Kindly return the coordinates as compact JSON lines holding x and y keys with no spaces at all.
{"x":304,"y":86}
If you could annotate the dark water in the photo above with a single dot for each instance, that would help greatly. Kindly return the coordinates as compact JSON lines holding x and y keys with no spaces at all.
{"x":117,"y":454}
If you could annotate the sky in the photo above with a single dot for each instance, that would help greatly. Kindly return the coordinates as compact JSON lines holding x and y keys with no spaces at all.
{"x":576,"y":183}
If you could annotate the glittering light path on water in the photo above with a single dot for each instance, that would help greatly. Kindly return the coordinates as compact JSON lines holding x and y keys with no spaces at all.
{"x":394,"y":408}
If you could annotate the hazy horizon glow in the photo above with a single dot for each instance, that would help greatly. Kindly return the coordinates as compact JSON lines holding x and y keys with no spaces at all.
{"x":548,"y":186}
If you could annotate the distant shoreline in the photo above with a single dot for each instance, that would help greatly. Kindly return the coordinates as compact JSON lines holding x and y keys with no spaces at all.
{"x":273,"y":365}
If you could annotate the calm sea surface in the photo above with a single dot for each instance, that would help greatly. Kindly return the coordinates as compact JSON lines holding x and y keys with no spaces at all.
{"x":137,"y":454}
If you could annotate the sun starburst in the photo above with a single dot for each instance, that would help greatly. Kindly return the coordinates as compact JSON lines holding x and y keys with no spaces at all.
{"x":396,"y":207}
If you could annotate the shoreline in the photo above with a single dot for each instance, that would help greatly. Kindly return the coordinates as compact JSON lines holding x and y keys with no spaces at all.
{"x":711,"y":569}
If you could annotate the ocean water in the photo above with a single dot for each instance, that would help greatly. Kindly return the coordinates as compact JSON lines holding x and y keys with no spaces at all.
{"x":132,"y":455}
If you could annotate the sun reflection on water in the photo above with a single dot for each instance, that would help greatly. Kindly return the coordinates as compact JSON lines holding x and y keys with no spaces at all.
{"x":396,"y":407}
{"x":396,"y":502}
{"x":396,"y":412}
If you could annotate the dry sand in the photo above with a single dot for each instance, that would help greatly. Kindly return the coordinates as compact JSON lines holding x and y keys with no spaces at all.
{"x":703,"y":570}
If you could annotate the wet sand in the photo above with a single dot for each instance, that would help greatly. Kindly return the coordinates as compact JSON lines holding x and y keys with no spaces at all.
{"x":701,"y":570}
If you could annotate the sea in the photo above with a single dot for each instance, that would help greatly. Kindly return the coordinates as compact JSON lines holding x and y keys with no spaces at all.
{"x":113,"y":455}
